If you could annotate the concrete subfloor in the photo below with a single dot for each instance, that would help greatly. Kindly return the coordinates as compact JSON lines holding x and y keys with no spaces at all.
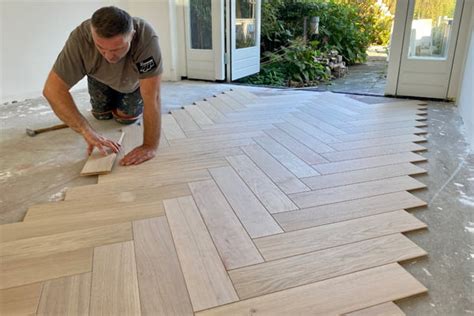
{"x":39,"y":169}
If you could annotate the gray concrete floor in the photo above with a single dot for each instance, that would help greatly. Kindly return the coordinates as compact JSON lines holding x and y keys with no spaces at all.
{"x":39,"y":169}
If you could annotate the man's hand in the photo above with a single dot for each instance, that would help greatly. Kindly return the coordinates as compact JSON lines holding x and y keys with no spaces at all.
{"x":95,"y":140}
{"x":138,"y":155}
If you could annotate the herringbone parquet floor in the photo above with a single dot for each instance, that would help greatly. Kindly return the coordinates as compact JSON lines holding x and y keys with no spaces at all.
{"x":278,"y":205}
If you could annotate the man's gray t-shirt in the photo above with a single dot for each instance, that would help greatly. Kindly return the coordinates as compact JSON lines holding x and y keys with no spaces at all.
{"x":80,"y":58}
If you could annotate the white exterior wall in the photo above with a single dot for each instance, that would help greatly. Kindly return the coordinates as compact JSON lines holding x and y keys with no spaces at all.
{"x":32,"y":33}
{"x":466,"y":97}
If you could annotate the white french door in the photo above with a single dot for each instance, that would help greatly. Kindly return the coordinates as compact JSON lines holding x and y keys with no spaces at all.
{"x":204,"y":23}
{"x":423,"y":47}
{"x":243,"y":37}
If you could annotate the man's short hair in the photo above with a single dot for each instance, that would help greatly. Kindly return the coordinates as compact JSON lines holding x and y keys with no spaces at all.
{"x":111,"y":21}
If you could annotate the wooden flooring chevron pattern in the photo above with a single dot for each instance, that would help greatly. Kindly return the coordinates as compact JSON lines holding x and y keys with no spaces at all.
{"x":290,"y":204}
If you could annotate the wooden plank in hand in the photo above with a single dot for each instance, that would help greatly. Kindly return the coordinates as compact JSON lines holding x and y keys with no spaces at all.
{"x":98,"y":164}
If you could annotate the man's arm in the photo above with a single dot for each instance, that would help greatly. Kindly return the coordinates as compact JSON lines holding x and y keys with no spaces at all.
{"x":56,"y":91}
{"x":150,"y":91}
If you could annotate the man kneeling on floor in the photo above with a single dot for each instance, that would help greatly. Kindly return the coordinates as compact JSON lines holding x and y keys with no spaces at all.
{"x":121,"y":58}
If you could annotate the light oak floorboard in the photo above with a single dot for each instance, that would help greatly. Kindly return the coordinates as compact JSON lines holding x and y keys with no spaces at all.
{"x":385,"y":309}
{"x":304,"y":138}
{"x":22,"y":300}
{"x":206,"y":278}
{"x":231,"y":240}
{"x":198,"y":115}
{"x":184,"y":120}
{"x":170,"y":127}
{"x":160,"y":280}
{"x":378,"y":142}
{"x":331,"y":297}
{"x":337,"y":234}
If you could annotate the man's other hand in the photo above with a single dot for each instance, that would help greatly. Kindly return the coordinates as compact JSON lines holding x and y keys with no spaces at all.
{"x":138,"y":155}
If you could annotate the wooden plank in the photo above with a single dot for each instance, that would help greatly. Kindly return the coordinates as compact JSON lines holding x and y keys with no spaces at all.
{"x":206,"y":278}
{"x":231,"y":240}
{"x":239,"y":97}
{"x":198,"y":115}
{"x":170,"y":127}
{"x":388,"y":120}
{"x":313,"y":143}
{"x":384,"y":126}
{"x":98,"y":163}
{"x":216,"y":138}
{"x":370,"y":162}
{"x":184,"y":120}
{"x":64,"y":209}
{"x":355,"y":191}
{"x":61,"y":224}
{"x":318,"y":121}
{"x":114,"y":289}
{"x":380,"y":134}
{"x":268,"y":193}
{"x":364,"y":175}
{"x":17,"y":272}
{"x":127,"y":192}
{"x":337,"y":234}
{"x":230,"y":102}
{"x":220,"y":105}
{"x":301,"y":151}
{"x":331,"y":297}
{"x":343,"y":211}
{"x":161,"y":282}
{"x":378,"y":142}
{"x":252,"y":214}
{"x":68,"y":241}
{"x":283,"y":178}
{"x":66,"y":296}
{"x":246,"y":94}
{"x":385,"y":309}
{"x":22,"y":300}
{"x":316,"y":266}
{"x":297,"y":166}
{"x":373,"y":151}
{"x":208,"y":109}
{"x":311,"y":130}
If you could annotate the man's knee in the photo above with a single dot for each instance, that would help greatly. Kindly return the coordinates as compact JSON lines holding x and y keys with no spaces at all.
{"x":123,"y":118}
{"x":102,"y":116}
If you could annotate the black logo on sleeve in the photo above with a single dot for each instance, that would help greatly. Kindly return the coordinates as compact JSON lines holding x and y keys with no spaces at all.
{"x":146,"y":65}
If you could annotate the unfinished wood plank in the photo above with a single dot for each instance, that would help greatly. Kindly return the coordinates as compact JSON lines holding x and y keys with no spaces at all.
{"x":331,"y":297}
{"x":311,"y":130}
{"x":268,"y":193}
{"x":355,"y":191}
{"x":313,"y":143}
{"x":206,"y":278}
{"x":384,"y":126}
{"x":364,"y":175}
{"x":220,"y":105}
{"x":98,"y":163}
{"x":17,"y":272}
{"x":378,"y":142}
{"x":22,"y":300}
{"x":385,"y":309}
{"x":337,"y":234}
{"x":231,"y":240}
{"x":299,"y":270}
{"x":245,"y":93}
{"x":113,"y":201}
{"x":230,"y":101}
{"x":380,"y":134}
{"x":161,"y":282}
{"x":114,"y":289}
{"x":170,"y":127}
{"x":370,"y":162}
{"x":297,"y":166}
{"x":127,"y":192}
{"x":208,"y":109}
{"x":301,"y":151}
{"x":61,"y":224}
{"x":373,"y":151}
{"x":239,"y":97}
{"x":318,"y":121}
{"x":184,"y":120}
{"x":66,"y":296}
{"x":68,"y":241}
{"x":253,"y":215}
{"x":282,"y":177}
{"x":231,"y":129}
{"x":216,"y":138}
{"x":198,"y":115}
{"x":343,"y":211}
{"x":392,"y":119}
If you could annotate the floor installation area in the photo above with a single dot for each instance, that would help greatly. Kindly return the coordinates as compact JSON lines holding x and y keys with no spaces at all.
{"x":265,"y":202}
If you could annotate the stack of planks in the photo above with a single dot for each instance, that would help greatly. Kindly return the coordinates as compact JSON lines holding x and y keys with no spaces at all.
{"x":279,"y":205}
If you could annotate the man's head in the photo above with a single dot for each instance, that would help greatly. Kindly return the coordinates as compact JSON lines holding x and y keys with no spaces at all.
{"x":112,"y":32}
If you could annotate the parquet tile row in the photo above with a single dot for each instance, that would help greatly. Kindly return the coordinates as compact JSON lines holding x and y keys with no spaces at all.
{"x":273,"y":205}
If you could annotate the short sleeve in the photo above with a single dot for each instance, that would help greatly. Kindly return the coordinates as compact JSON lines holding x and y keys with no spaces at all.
{"x":148,"y":61}
{"x":69,"y":65}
